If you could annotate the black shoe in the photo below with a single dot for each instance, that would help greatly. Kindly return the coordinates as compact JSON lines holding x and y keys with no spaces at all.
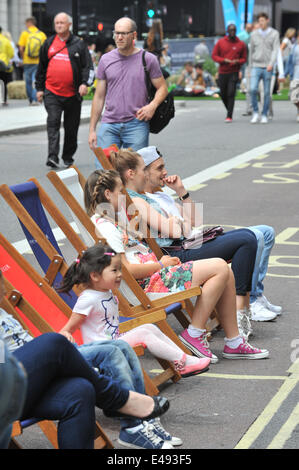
{"x":247,"y":113}
{"x":161,"y":405}
{"x":52,"y":163}
{"x":68,"y":163}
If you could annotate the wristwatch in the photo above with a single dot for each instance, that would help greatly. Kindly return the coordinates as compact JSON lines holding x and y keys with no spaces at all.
{"x":182,"y":198}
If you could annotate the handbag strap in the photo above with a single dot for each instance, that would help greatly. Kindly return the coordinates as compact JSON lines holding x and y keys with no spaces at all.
{"x":147,"y":77}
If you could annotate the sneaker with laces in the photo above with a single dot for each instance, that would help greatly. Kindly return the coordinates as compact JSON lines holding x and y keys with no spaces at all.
{"x":273,"y":308}
{"x":264,"y":120}
{"x":255,"y":118}
{"x":243,"y":321}
{"x":143,"y":438}
{"x":260,"y":313}
{"x":199,"y":346}
{"x":52,"y":163}
{"x":158,"y":429}
{"x":202,"y":365}
{"x":244,"y":351}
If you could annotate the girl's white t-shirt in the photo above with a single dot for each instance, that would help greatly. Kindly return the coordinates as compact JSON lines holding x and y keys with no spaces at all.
{"x":101,"y":311}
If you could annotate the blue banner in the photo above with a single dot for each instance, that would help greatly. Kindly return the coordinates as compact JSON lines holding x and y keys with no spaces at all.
{"x":237,"y":17}
{"x":229,"y":13}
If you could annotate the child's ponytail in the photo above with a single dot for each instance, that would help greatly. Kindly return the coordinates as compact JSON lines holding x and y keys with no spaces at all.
{"x":94,"y":259}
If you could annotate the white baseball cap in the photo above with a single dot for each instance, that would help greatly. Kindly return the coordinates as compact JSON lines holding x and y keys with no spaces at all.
{"x":149,"y":154}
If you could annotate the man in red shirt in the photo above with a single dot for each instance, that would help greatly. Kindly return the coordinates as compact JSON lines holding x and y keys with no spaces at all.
{"x":231,"y":54}
{"x":64,"y":73}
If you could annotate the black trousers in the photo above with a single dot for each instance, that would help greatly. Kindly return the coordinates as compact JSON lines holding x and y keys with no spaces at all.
{"x":6,"y":78}
{"x":228,"y":83}
{"x":71,"y":107}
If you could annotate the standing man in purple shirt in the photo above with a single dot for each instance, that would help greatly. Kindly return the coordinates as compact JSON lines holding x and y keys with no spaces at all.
{"x":121,"y":87}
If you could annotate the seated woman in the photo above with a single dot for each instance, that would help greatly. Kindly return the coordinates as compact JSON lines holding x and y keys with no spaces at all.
{"x":103,"y":189}
{"x":237,"y":246}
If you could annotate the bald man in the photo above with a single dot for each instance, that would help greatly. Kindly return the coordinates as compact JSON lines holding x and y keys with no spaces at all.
{"x":64,"y":74}
{"x":121,"y":87}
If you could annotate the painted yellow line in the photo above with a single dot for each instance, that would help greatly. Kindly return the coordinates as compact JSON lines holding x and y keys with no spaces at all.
{"x":221,"y":176}
{"x":286,"y":431}
{"x":278,"y":149}
{"x":295,"y":142}
{"x":233,"y":376}
{"x":267,"y":414}
{"x":243,"y":377}
{"x":243,"y":165}
{"x":261,"y":157}
{"x":196,"y":187}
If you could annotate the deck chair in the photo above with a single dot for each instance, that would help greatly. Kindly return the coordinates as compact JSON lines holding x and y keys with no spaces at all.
{"x":18,"y":306}
{"x":40,"y":238}
{"x":103,"y":156}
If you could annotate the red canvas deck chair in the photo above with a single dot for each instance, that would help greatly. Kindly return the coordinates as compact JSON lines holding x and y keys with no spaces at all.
{"x":25,"y":298}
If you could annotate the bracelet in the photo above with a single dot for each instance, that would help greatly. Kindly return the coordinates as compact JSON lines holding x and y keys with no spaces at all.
{"x":161,"y":264}
{"x":182,"y":198}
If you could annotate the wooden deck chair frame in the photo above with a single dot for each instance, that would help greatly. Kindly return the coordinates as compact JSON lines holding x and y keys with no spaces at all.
{"x":14,"y":300}
{"x":100,"y":154}
{"x":155,"y":315}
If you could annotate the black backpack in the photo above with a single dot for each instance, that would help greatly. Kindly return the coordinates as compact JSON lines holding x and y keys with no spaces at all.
{"x":165,"y":111}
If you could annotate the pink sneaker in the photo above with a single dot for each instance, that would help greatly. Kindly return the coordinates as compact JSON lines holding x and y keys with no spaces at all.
{"x":202,"y":365}
{"x":199,"y":346}
{"x":245,"y":351}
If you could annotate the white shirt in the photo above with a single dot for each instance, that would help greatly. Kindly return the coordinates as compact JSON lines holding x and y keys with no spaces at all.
{"x":101,"y":311}
{"x":12,"y":332}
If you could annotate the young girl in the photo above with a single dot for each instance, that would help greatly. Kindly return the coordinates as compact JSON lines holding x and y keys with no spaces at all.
{"x":96,"y":310}
{"x":168,"y":275}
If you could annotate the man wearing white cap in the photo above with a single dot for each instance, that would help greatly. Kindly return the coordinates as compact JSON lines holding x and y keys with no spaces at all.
{"x":157,"y":177}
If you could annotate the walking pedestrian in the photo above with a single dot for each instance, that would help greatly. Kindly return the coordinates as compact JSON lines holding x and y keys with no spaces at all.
{"x":294,"y":75}
{"x":231,"y":54}
{"x":263,"y":53}
{"x":30,"y":42}
{"x":65,"y":71}
{"x":122,"y":88}
{"x":245,"y":37}
{"x":6,"y":54}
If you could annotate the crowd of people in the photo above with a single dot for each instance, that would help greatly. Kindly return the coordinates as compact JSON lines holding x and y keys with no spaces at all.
{"x":50,"y":376}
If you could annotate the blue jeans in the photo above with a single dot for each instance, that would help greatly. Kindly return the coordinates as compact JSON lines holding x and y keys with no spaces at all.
{"x":265,"y":236}
{"x":133,"y":134}
{"x":13,"y":384}
{"x":62,"y":386}
{"x":116,"y":358}
{"x":29,"y":76}
{"x":257,"y":74}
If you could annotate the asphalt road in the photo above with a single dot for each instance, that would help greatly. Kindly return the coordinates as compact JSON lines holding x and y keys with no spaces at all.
{"x":243,"y":404}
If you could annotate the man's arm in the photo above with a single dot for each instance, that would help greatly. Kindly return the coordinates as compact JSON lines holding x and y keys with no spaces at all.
{"x":146,"y":112}
{"x":96,"y":111}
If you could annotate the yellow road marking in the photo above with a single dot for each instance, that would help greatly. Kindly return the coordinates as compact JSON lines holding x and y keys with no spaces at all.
{"x":286,"y":431}
{"x":197,"y":187}
{"x":278,"y":149}
{"x":233,"y":376}
{"x":261,"y":157}
{"x":243,"y":165}
{"x":267,"y":414}
{"x":221,"y":176}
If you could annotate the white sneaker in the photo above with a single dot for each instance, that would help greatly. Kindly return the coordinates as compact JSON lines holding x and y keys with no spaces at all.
{"x":273,"y":308}
{"x":255,"y":118}
{"x":260,"y":313}
{"x":264,"y":120}
{"x":297,"y":118}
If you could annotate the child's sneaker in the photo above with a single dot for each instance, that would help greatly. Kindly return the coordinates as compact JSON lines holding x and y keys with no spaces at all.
{"x":199,"y":346}
{"x":143,"y":438}
{"x":163,"y":434}
{"x":202,"y":365}
{"x":245,"y":351}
